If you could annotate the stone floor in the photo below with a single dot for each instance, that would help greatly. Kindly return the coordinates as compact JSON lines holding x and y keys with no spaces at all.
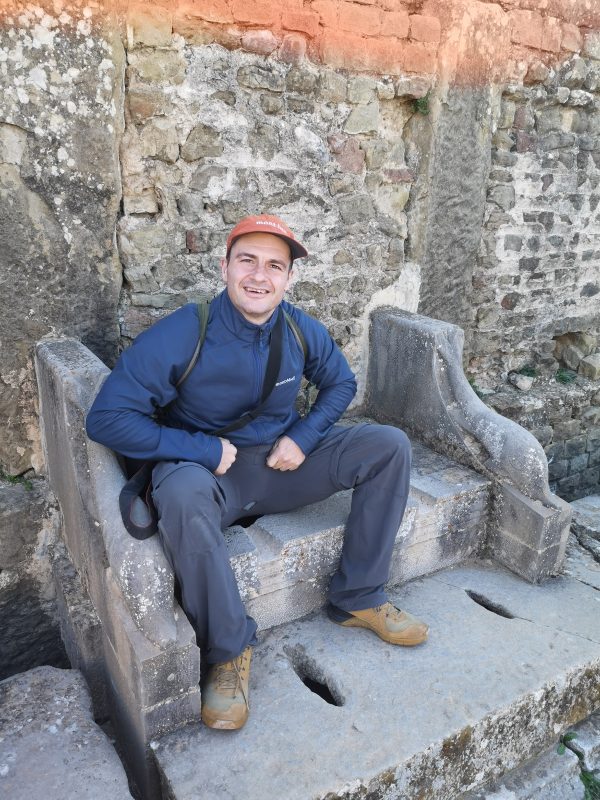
{"x":509,"y":666}
{"x":50,"y":746}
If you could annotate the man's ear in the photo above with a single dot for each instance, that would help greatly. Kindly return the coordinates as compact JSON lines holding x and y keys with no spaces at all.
{"x":224,"y":265}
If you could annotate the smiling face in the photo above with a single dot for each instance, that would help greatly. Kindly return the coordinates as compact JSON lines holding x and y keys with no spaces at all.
{"x":257,"y":274}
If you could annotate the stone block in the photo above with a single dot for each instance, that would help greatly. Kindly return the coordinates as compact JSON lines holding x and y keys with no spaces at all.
{"x":578,"y":463}
{"x":50,"y":745}
{"x":333,"y":87}
{"x":261,"y":42}
{"x":80,"y":628}
{"x":552,"y":33}
{"x":258,"y":76}
{"x":526,"y":28}
{"x":557,"y":469}
{"x":152,"y":674}
{"x":571,"y":38}
{"x":158,"y":66}
{"x":567,"y":429}
{"x":362,"y":20}
{"x":292,"y":49}
{"x":591,"y":416}
{"x":425,"y":28}
{"x":305,"y":21}
{"x":356,"y":208}
{"x":575,"y":446}
{"x":202,"y":141}
{"x":590,"y":477}
{"x":395,"y":22}
{"x":363,"y":119}
{"x":589,"y":367}
{"x":149,"y":26}
{"x":571,"y":356}
{"x":591,"y":45}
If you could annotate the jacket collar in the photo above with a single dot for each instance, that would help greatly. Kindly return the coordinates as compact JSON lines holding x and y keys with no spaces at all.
{"x":237,"y":323}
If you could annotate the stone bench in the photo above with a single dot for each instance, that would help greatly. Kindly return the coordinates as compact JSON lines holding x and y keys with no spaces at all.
{"x":497,"y":503}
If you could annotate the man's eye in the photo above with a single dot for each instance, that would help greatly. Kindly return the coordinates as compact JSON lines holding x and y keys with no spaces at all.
{"x":278,"y":267}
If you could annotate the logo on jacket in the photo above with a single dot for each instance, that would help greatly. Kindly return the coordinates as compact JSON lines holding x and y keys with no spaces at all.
{"x":287,"y":380}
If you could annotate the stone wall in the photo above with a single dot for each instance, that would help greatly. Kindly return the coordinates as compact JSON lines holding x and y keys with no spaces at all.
{"x":29,"y":634}
{"x":536,"y":283}
{"x":60,"y":98}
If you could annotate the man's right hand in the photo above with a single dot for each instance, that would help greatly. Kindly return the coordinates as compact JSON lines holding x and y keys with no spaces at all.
{"x":227,"y":458}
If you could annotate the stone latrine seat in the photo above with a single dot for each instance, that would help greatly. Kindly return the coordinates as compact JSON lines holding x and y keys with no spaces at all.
{"x":479,"y":487}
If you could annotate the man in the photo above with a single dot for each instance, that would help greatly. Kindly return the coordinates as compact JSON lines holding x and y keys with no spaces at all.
{"x":271,"y":463}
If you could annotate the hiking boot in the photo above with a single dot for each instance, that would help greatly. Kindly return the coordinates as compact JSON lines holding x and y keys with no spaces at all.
{"x":225,"y":694}
{"x":387,"y":621}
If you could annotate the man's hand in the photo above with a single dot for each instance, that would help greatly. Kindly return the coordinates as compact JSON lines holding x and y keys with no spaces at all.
{"x":227,"y":458}
{"x":285,"y":455}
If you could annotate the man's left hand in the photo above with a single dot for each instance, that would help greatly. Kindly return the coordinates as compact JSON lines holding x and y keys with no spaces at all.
{"x":285,"y":455}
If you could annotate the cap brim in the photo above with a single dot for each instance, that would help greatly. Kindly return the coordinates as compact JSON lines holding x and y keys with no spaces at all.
{"x":296,"y":248}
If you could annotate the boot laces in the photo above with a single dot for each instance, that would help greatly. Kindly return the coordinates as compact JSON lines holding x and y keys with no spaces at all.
{"x":391,"y":612}
{"x":229,"y":678}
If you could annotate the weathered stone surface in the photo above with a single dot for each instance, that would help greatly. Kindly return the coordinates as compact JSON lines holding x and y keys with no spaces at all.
{"x":60,"y":194}
{"x":550,"y":679}
{"x":29,"y":635}
{"x":446,"y":227}
{"x":363,"y":118}
{"x":413,"y":358}
{"x":589,"y":367}
{"x":257,"y":76}
{"x":202,"y":141}
{"x":49,"y":745}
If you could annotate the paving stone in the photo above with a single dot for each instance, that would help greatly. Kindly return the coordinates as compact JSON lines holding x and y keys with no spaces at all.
{"x":50,"y":746}
{"x":488,"y":708}
{"x":586,"y":515}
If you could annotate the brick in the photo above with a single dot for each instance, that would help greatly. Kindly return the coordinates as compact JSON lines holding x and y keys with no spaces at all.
{"x":571,"y":37}
{"x":209,"y":10}
{"x":419,"y":57}
{"x":302,"y":21}
{"x":261,"y":42}
{"x":293,"y":48}
{"x":343,"y":50}
{"x":425,"y":29}
{"x":365,"y":20}
{"x":384,"y":55}
{"x":526,"y":28}
{"x":328,"y":11}
{"x":551,"y":34}
{"x":395,"y":23}
{"x":258,"y":12}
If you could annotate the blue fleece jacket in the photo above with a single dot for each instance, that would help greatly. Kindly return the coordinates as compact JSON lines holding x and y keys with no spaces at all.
{"x":226,"y":381}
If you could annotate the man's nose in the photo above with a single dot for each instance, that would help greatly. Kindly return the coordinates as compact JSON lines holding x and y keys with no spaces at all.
{"x":260,"y":269}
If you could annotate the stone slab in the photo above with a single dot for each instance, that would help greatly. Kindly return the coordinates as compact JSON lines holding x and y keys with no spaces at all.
{"x":586,"y":515}
{"x":547,"y":777}
{"x":50,"y":746}
{"x":484,"y":694}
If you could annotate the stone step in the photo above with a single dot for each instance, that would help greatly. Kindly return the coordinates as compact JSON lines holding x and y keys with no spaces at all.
{"x":283,"y":562}
{"x":550,"y":776}
{"x":508,"y":668}
{"x":50,"y":746}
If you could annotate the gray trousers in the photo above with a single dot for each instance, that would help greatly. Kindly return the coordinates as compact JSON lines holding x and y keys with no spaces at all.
{"x":195,"y":506}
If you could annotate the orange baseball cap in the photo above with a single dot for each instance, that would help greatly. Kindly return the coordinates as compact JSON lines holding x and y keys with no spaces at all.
{"x":266,"y":223}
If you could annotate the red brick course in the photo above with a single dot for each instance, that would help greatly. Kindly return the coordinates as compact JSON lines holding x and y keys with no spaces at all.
{"x":389,"y":36}
{"x":425,"y":29}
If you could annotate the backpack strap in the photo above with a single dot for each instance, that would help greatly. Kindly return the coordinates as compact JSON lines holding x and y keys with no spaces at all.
{"x":298,"y":335}
{"x":203,"y":309}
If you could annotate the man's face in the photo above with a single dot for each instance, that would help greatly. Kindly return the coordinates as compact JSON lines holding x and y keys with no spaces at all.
{"x":257,"y":274}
